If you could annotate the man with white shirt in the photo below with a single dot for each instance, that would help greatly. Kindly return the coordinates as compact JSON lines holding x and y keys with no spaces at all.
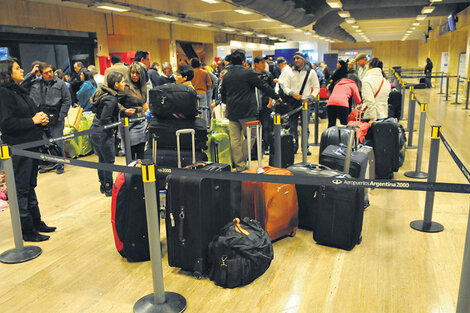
{"x":298,"y":85}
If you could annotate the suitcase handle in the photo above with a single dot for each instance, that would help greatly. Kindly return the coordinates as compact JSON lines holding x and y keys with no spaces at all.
{"x":178,"y":147}
{"x":258,"y":141}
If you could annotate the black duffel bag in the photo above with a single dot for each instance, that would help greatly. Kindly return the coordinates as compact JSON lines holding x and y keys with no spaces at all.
{"x":173,"y":101}
{"x":240,"y":253}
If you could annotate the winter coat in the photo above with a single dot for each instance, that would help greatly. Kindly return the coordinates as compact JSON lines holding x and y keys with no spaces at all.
{"x":84,"y":94}
{"x":343,"y":90}
{"x":376,"y":107}
{"x":105,"y":104}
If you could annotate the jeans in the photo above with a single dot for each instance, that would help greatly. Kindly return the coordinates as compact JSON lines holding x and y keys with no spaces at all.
{"x":205,"y":109}
{"x":293,"y":129}
{"x":103,"y":143}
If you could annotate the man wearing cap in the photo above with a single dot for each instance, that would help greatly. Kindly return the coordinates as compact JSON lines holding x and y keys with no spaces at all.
{"x":238,"y":93}
{"x":361,"y":61}
{"x":301,"y":84}
{"x":265,"y":102}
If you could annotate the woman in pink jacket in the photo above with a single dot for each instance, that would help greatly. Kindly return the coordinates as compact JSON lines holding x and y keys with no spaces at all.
{"x":338,"y":103}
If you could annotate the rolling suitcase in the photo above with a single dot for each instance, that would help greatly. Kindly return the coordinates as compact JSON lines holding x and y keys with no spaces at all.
{"x":164,"y":132}
{"x":219,"y":148}
{"x":196,"y":209}
{"x":274,"y":205}
{"x":287,"y":151}
{"x":385,"y":138}
{"x":334,"y":136}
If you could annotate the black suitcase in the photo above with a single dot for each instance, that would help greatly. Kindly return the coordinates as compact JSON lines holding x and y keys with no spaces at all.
{"x":163,"y":130}
{"x":173,"y":100}
{"x":334,"y":214}
{"x":334,"y":136}
{"x":422,"y":80}
{"x":385,"y":138}
{"x":394,"y":104}
{"x":334,"y":157}
{"x":287,"y":151}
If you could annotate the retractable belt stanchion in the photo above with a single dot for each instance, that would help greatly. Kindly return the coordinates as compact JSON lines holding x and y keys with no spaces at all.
{"x":159,"y":301}
{"x":304,"y":131}
{"x":468,"y":94}
{"x":447,"y":87}
{"x":127,"y":139}
{"x":403,"y":95}
{"x":441,"y":83}
{"x":418,"y":173}
{"x":463,"y":302}
{"x":427,"y":225}
{"x":457,"y":91}
{"x":20,"y":253}
{"x":411,"y":119}
{"x":277,"y":140}
{"x":317,"y":121}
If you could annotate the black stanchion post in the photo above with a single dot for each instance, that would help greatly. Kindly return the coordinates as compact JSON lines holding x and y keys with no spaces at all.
{"x":418,"y":173}
{"x":463,"y":302}
{"x":159,"y":300}
{"x":441,"y":83}
{"x":127,"y":139}
{"x":403,"y":95}
{"x":317,"y":121}
{"x":457,"y":91}
{"x":411,"y":119}
{"x":277,"y":140}
{"x":305,"y":120}
{"x":427,"y":225}
{"x":20,"y":253}
{"x":468,"y":93}
{"x":447,"y":87}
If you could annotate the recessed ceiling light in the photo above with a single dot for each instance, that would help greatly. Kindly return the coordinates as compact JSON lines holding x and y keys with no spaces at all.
{"x":415,"y":24}
{"x":261,"y":35}
{"x":427,"y":10}
{"x":421,"y":17}
{"x":432,"y":1}
{"x":412,"y":28}
{"x":359,"y":31}
{"x":166,"y":18}
{"x":201,"y":24}
{"x":297,"y":30}
{"x":267,"y":19}
{"x":244,"y":12}
{"x":273,"y":38}
{"x":211,"y":1}
{"x":355,"y":26}
{"x":113,"y":7}
{"x":335,"y":4}
{"x":285,"y":26}
{"x":344,"y":14}
{"x":350,"y":20}
{"x":228,"y":29}
{"x":409,"y":32}
{"x":247,"y":33}
{"x":307,"y":33}
{"x":282,"y":39}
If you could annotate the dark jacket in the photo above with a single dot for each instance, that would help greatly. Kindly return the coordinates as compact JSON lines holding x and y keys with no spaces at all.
{"x":428,"y":68}
{"x":53,"y":98}
{"x":268,"y":79}
{"x":162,"y":80}
{"x":153,"y":76}
{"x":238,"y":92}
{"x":16,"y":112}
{"x":105,"y":102}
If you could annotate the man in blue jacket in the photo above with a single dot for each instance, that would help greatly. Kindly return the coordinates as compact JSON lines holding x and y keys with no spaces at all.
{"x":238,"y":93}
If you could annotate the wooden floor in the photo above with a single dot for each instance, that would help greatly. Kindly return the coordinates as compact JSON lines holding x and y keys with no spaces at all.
{"x":395,"y":269}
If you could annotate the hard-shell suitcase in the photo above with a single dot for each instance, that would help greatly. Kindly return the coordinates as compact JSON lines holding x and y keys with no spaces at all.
{"x":287,"y":151}
{"x":274,"y":205}
{"x":129,"y":219}
{"x":334,"y":136}
{"x":164,"y":132}
{"x":385,"y":138}
{"x":219,"y":148}
{"x":220,"y":125}
{"x":196,"y":209}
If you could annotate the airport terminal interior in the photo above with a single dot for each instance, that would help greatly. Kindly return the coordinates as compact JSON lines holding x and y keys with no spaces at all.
{"x":394,"y":269}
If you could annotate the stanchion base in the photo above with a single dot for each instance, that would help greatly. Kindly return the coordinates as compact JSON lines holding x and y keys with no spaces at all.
{"x":24,"y":254}
{"x":432,"y":227}
{"x":174,"y":303}
{"x":414,"y":174}
{"x":456,"y":103}
{"x":411,"y":147}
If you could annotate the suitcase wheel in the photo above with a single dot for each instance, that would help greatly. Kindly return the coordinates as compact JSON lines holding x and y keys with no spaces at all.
{"x":360,"y":240}
{"x":292,"y":234}
{"x":197,"y":275}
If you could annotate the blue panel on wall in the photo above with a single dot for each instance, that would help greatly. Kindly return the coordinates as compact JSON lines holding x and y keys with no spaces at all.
{"x":331,"y":59}
{"x":287,"y":54}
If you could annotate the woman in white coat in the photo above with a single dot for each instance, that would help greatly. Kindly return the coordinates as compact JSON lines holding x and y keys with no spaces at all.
{"x":375,"y":91}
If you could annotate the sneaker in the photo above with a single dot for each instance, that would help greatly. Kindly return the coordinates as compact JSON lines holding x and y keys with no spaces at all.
{"x":60,"y":170}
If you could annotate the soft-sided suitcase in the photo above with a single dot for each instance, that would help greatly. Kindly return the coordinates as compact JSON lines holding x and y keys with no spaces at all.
{"x":164,"y":132}
{"x":334,"y":136}
{"x":385,"y":138}
{"x":274,"y":205}
{"x":394,"y":104}
{"x":422,"y":80}
{"x":129,"y":219}
{"x":219,"y":148}
{"x":173,"y":101}
{"x":287,"y":151}
{"x":196,"y":209}
{"x":334,"y":157}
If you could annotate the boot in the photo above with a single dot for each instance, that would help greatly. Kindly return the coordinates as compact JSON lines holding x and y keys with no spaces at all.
{"x":108,"y":189}
{"x":34,"y":236}
{"x":43,"y":228}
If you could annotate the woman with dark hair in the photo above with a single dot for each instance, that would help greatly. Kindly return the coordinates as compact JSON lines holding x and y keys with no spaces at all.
{"x":184,"y":75}
{"x":340,"y":73}
{"x":87,"y":89}
{"x":105,"y":103}
{"x":20,"y":122}
{"x":338,"y":103}
{"x":133,"y":104}
{"x":375,"y":91}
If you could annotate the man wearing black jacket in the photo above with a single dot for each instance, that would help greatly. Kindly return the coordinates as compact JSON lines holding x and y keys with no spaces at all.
{"x":238,"y":93}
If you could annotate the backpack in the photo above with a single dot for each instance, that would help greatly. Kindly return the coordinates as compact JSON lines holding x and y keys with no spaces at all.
{"x":240,"y":253}
{"x":173,"y":101}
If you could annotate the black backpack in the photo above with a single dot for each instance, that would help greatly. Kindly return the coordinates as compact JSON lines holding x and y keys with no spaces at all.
{"x":173,"y":101}
{"x":240,"y":253}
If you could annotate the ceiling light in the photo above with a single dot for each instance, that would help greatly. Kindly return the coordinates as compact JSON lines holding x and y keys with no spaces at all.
{"x":350,"y":20}
{"x":344,"y":14}
{"x":412,"y":28}
{"x":415,"y":24}
{"x":359,"y":31}
{"x":432,"y":1}
{"x":282,"y":39}
{"x":355,"y":26}
{"x":285,"y":26}
{"x":228,"y":29}
{"x":273,"y":38}
{"x":297,"y":30}
{"x":367,"y":40}
{"x":261,"y":35}
{"x":427,"y":10}
{"x":307,"y":33}
{"x":201,"y":24}
{"x":113,"y":7}
{"x":409,"y":32}
{"x":266,"y":19}
{"x":166,"y":18}
{"x":244,"y":12}
{"x":211,"y":1}
{"x":335,"y":4}
{"x":247,"y":33}
{"x":421,"y":17}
